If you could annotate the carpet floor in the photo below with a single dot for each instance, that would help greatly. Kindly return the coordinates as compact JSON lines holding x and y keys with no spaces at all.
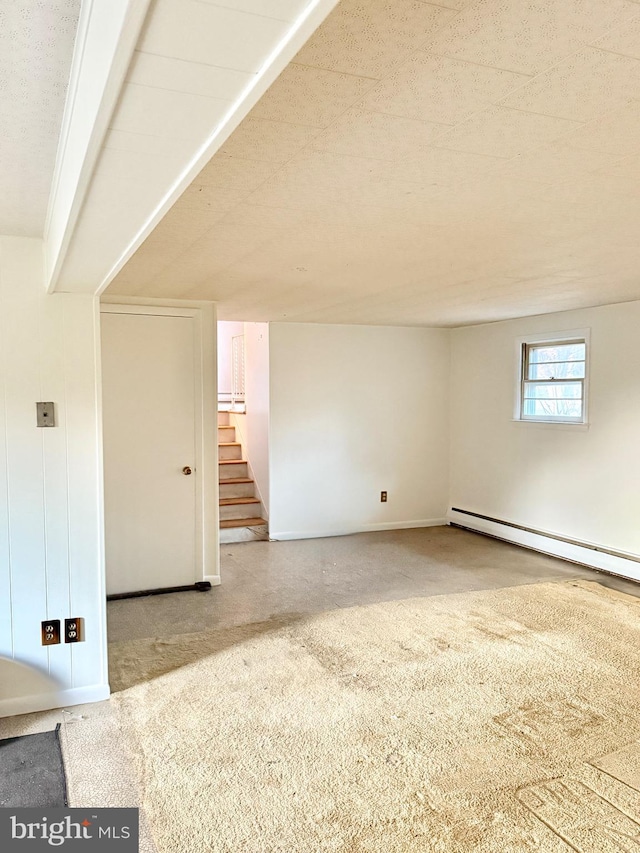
{"x":503,"y":720}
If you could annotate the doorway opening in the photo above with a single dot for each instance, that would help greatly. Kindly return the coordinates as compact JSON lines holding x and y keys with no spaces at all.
{"x":243,"y":431}
{"x":158,"y":407}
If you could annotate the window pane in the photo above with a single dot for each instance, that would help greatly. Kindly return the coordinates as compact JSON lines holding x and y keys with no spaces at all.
{"x":561,"y":352}
{"x":552,"y":408}
{"x":553,"y":391}
{"x":556,"y":370}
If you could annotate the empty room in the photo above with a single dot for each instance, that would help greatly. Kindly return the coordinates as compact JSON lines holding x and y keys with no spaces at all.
{"x":319,"y":417}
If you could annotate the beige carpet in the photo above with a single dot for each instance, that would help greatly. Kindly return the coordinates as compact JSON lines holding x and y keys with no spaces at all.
{"x":506,"y":720}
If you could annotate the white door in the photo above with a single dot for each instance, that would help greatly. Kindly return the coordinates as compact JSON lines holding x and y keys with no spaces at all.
{"x":148,"y":398}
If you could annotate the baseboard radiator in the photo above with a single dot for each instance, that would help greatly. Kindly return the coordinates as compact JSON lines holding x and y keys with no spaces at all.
{"x":588,"y":554}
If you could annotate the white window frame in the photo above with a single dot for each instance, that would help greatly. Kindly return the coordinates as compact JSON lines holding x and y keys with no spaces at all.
{"x":551,"y":338}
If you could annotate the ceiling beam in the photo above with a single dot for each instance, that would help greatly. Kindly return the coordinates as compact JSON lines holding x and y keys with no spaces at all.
{"x":108,"y":31}
{"x":121,"y":193}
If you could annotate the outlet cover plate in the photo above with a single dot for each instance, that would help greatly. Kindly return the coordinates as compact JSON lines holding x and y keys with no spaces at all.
{"x":46,"y":414}
{"x":51,"y":632}
{"x":73,"y":630}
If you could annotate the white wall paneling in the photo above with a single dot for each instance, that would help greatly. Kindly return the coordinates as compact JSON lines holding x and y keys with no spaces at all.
{"x":51,"y":563}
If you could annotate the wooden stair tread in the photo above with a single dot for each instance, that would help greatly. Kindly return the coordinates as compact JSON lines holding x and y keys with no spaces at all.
{"x":225,"y":426}
{"x":241,"y":522}
{"x":232,"y":461}
{"x":229,"y":444}
{"x":230,"y":481}
{"x":233,"y":501}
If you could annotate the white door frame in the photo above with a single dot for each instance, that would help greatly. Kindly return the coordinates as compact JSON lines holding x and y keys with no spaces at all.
{"x":206,"y":408}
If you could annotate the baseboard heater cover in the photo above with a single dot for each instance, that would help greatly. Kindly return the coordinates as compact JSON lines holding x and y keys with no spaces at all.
{"x":608,"y":560}
{"x":200,"y":586}
{"x":623,"y":555}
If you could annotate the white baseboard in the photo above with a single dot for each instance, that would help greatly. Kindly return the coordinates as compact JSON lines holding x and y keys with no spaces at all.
{"x":365,"y":528}
{"x":49,"y":701}
{"x":214,"y":580}
{"x":585,"y":554}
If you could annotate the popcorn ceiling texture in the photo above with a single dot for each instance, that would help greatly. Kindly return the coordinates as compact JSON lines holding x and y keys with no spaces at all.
{"x":435,"y":163}
{"x":36,"y":46}
{"x":490,"y":721}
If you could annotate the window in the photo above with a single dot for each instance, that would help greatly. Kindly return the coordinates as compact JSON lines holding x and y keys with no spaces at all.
{"x":553,"y":381}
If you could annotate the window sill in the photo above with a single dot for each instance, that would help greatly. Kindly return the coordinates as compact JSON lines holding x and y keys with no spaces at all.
{"x":566,"y":425}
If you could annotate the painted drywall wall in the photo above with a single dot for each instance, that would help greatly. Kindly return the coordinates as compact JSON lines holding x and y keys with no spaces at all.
{"x":571,"y":481}
{"x":356,"y":410}
{"x":51,"y":548}
{"x":252,"y":428}
{"x":226,"y":331}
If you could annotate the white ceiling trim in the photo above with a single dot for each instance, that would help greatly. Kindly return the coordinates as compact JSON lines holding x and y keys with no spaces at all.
{"x":283,"y":52}
{"x":108,"y":31}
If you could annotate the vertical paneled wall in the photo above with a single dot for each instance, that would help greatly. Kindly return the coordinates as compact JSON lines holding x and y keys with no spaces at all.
{"x":50,"y":483}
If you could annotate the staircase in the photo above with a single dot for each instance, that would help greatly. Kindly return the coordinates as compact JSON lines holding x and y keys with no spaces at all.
{"x":240,"y":510}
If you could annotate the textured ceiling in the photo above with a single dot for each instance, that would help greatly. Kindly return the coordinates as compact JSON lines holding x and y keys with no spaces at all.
{"x":36,"y":47}
{"x":423,"y":164}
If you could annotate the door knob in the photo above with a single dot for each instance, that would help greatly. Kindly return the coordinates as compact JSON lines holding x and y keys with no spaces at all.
{"x":186,"y":470}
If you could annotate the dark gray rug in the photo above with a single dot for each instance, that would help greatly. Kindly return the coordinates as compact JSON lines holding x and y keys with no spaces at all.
{"x":32,"y":772}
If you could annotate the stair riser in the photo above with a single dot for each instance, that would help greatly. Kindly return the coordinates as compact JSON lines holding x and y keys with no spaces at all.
{"x":230,"y":452}
{"x":236,"y":490}
{"x":227,"y":434}
{"x":238,"y":469}
{"x":223,"y":418}
{"x":240,"y":511}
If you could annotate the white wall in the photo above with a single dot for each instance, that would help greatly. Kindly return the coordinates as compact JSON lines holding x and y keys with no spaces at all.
{"x":356,"y":410}
{"x":226,"y":331}
{"x":580,"y":483}
{"x":252,"y":428}
{"x":50,"y":482}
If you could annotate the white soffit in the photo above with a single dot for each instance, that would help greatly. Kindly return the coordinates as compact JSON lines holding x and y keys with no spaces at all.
{"x":418,"y":163}
{"x":197,"y":69}
{"x":36,"y":46}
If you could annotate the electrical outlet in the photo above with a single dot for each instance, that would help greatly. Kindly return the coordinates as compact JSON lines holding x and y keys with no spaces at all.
{"x":51,"y":632}
{"x":73,"y":630}
{"x":383,"y":497}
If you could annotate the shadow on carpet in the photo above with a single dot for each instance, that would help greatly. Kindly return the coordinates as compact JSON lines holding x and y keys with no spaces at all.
{"x":135,"y":662}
